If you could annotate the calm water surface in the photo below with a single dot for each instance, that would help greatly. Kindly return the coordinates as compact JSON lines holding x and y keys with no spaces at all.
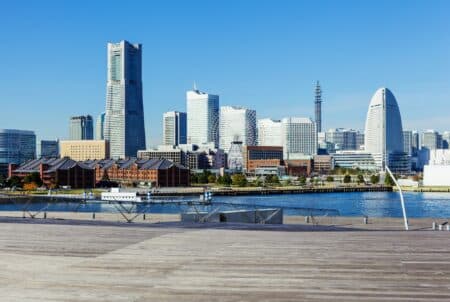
{"x":372,"y":204}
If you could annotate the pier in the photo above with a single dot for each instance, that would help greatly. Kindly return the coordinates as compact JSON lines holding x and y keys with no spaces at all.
{"x":44,"y":259}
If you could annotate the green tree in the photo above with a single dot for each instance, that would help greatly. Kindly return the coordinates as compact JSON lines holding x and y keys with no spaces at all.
{"x":224,"y":180}
{"x":211,"y":179}
{"x":388,"y":181}
{"x":360,"y":179}
{"x":302,"y":180}
{"x":272,"y":179}
{"x":347,"y":179}
{"x":34,"y":177}
{"x":194,"y":178}
{"x":330,"y":178}
{"x":2,"y":181}
{"x":14,"y":181}
{"x":239,"y":180}
{"x":375,"y":179}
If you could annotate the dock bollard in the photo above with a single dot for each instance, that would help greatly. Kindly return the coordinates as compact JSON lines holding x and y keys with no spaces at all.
{"x":143,"y":216}
{"x":366,"y":220}
{"x":448,"y":227}
{"x":93,"y":215}
{"x":433,"y":226}
{"x":440,"y":227}
{"x":307,"y":219}
{"x":45,"y":215}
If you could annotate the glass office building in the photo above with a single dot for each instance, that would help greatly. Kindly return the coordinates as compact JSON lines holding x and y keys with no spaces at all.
{"x":16,"y":147}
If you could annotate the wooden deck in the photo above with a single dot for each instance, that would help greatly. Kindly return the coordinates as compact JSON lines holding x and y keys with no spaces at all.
{"x":100,"y":261}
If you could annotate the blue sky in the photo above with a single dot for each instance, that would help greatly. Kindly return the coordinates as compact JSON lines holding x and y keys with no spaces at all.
{"x":264,"y":55}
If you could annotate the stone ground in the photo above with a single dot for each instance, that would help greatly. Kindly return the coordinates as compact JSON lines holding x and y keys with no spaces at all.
{"x":341,"y":259}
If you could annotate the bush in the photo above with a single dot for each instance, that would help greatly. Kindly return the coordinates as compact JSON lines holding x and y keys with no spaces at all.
{"x":239,"y":180}
{"x":14,"y":181}
{"x":302,"y":180}
{"x":388,"y":181}
{"x":34,"y":177}
{"x":224,"y":180}
{"x":211,"y":179}
{"x":375,"y":179}
{"x":347,"y":179}
{"x":330,"y":178}
{"x":361,"y":179}
{"x":30,"y":186}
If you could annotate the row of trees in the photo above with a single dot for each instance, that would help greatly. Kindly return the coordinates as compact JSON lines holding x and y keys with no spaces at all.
{"x":206,"y":177}
{"x":30,"y":182}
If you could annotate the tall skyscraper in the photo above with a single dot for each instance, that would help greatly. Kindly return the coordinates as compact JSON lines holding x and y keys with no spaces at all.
{"x":16,"y":147}
{"x":299,"y":137}
{"x":269,"y":132}
{"x":202,"y":117}
{"x":237,"y":124}
{"x":430,"y":139}
{"x":100,"y":126}
{"x":407,"y":142}
{"x":174,"y":128}
{"x":124,"y":115}
{"x":415,"y":143}
{"x":81,"y":128}
{"x":384,"y":132}
{"x":49,"y":148}
{"x":318,"y":108}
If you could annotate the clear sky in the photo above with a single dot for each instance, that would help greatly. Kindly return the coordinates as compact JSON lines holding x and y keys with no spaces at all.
{"x":265,"y":55}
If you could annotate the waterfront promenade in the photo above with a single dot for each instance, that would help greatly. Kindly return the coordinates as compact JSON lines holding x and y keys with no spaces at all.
{"x":85,"y":260}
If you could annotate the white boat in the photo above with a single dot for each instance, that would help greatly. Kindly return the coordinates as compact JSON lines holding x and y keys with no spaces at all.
{"x":116,"y":195}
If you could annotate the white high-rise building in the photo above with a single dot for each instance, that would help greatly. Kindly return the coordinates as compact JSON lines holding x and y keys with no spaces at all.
{"x":430,"y":139}
{"x":299,"y":137}
{"x":202,"y":117}
{"x":269,"y":132}
{"x":407,"y":142}
{"x":384,"y":132}
{"x":174,"y":128}
{"x":124,"y":115}
{"x":237,"y":124}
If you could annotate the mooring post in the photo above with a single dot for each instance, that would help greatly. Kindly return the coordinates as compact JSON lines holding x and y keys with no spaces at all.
{"x":45,"y":215}
{"x":143,"y":216}
{"x":433,"y":226}
{"x":93,"y":215}
{"x":366,"y":220}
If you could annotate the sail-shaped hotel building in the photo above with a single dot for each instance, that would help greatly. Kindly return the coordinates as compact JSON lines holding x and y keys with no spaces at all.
{"x":384,"y":133}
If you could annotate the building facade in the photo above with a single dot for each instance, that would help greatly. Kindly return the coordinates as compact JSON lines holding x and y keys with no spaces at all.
{"x":124,"y":115}
{"x":157,"y":172}
{"x":437,"y":171}
{"x":237,"y":124}
{"x":344,"y":139}
{"x":81,"y":128}
{"x":49,"y":148}
{"x":174,"y":128}
{"x":269,"y":132}
{"x":57,"y":172}
{"x":384,"y":132}
{"x":262,"y":157}
{"x":202,"y":117}
{"x":84,"y":149}
{"x":16,"y":147}
{"x":100,"y":127}
{"x":431,"y":139}
{"x":299,"y":137}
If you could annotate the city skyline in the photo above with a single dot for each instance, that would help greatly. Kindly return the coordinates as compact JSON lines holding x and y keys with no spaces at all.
{"x":276,"y":79}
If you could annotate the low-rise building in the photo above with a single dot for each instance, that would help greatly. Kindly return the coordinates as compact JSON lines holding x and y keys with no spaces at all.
{"x":57,"y":172}
{"x":299,"y":167}
{"x":262,"y":157}
{"x":80,"y":150}
{"x":157,"y":172}
{"x":437,"y":171}
{"x":323,"y":164}
{"x":354,"y":160}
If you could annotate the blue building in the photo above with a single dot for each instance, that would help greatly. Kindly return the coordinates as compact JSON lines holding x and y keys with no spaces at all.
{"x":49,"y":148}
{"x":16,"y":147}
